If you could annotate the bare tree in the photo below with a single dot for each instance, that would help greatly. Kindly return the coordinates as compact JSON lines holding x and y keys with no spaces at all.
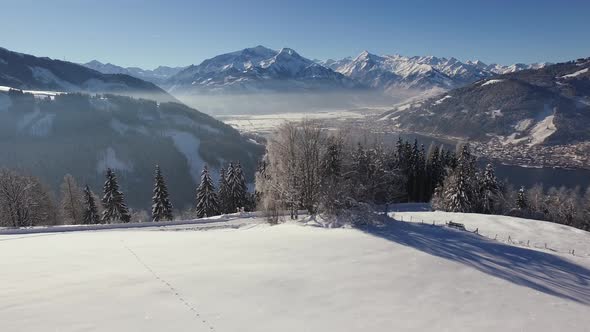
{"x":24,"y":201}
{"x":293,"y":174}
{"x":72,"y":198}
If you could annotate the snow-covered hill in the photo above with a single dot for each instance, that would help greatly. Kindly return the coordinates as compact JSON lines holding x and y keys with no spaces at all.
{"x":256,"y":69}
{"x":157,"y":75}
{"x":400,"y":277}
{"x":391,"y":72}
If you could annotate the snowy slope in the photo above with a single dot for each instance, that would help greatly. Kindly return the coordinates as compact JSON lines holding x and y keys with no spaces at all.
{"x":401,"y":277}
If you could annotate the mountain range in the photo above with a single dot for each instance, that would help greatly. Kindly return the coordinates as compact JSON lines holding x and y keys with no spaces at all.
{"x":544,"y":106}
{"x":262,"y":69}
{"x":27,"y":72}
{"x":392,"y":72}
{"x":257,"y":69}
{"x":156,"y":76}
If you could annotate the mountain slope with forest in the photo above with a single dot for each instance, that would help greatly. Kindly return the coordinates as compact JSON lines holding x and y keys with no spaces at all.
{"x":83,"y":135}
{"x":544,"y":106}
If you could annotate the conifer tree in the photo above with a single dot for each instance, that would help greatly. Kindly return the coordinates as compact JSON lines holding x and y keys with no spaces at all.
{"x":207,"y":204}
{"x":115,"y":209}
{"x":223,"y":192}
{"x":90,"y":211}
{"x":161,"y":206}
{"x":459,"y":194}
{"x":489,"y":190}
{"x":237,"y":187}
{"x":521,"y":202}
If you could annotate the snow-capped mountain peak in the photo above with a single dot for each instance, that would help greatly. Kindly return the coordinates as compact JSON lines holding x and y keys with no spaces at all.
{"x":257,"y":68}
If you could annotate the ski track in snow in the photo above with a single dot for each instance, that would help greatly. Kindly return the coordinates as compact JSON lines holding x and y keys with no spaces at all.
{"x":170,"y":287}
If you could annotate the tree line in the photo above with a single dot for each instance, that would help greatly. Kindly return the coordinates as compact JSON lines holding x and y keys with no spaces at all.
{"x":25,"y":201}
{"x":330,"y":172}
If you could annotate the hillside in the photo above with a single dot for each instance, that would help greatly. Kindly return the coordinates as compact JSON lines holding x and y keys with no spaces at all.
{"x":23,"y":71}
{"x":83,"y":135}
{"x":545,"y":106}
{"x":242,"y":274}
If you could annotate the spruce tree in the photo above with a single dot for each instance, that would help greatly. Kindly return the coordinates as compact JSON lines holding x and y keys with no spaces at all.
{"x":207,"y":204}
{"x":115,"y":209}
{"x":161,"y":206}
{"x":489,"y":190}
{"x":223,"y":192}
{"x":521,"y":202}
{"x":459,"y":192}
{"x":237,"y":187}
{"x":90,"y":210}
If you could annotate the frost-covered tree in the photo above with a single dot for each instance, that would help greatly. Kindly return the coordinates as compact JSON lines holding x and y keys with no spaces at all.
{"x":238,"y":190}
{"x":458,"y":195}
{"x":206,"y":199}
{"x":489,"y":189}
{"x":90,"y":215}
{"x":223,"y":191}
{"x":113,"y":201}
{"x":161,"y":205}
{"x":521,"y":202}
{"x":25,"y":201}
{"x":71,"y":201}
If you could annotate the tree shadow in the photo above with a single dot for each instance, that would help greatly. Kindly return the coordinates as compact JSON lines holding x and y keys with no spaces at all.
{"x":537,"y":270}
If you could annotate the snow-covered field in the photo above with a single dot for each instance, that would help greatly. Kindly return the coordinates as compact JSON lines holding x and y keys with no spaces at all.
{"x":266,"y":123}
{"x":243,"y":275}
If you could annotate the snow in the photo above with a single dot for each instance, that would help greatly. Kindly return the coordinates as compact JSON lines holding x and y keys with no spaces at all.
{"x":187,"y":144}
{"x":440,"y":101}
{"x":576,"y":74}
{"x":523,"y":125}
{"x":37,"y":93}
{"x":109,"y":159}
{"x":496,"y":113}
{"x":488,"y":82}
{"x":542,"y":130}
{"x":401,"y":277}
{"x":266,"y":123}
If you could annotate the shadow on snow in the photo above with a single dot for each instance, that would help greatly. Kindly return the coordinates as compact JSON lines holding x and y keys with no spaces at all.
{"x":537,"y":270}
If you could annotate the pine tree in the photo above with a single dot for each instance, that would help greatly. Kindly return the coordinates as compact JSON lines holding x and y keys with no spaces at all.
{"x":237,"y":187}
{"x":207,"y":204}
{"x":161,"y":206}
{"x":223,"y":192}
{"x":489,"y":190}
{"x":91,"y":211}
{"x":459,"y":191}
{"x":71,"y":201}
{"x":521,"y":202}
{"x":115,"y":209}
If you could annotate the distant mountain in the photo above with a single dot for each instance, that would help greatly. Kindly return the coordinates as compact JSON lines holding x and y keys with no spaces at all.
{"x":83,"y":135}
{"x":28,"y":72}
{"x":257,"y":69}
{"x":156,"y":76}
{"x":392,"y":72}
{"x":548,"y":105}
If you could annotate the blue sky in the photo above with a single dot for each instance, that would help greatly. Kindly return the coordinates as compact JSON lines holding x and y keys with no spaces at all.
{"x":181,"y":32}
